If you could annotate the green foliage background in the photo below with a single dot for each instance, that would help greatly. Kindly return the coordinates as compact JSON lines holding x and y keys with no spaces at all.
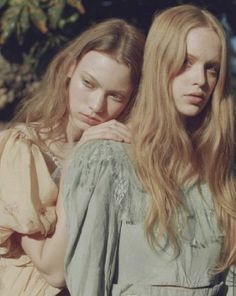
{"x":32,"y":31}
{"x":43,"y":19}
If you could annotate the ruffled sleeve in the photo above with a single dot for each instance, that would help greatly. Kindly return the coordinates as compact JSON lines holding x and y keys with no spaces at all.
{"x":93,"y":190}
{"x":27,"y":191}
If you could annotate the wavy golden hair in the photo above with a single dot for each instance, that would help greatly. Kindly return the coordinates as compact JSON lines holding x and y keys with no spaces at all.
{"x":48,"y":108}
{"x":167,"y":154}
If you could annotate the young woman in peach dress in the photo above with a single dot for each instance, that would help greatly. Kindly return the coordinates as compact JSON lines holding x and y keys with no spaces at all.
{"x":87,"y":90}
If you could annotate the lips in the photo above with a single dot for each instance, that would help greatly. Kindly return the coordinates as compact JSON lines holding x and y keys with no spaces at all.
{"x":90,"y":119}
{"x":195,"y":98}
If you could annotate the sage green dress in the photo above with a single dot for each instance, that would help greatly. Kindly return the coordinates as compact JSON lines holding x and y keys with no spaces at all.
{"x":108,"y":253}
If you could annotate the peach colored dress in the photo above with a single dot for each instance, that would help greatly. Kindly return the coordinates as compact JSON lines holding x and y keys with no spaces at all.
{"x":27,"y":205}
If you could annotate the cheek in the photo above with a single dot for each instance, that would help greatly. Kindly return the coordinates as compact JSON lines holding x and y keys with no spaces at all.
{"x":72,"y":101}
{"x":115,"y":109}
{"x":175,"y":87}
{"x":211,"y":83}
{"x":76,"y":96}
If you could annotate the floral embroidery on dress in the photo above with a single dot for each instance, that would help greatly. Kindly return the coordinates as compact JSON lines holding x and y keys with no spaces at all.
{"x":11,"y":209}
{"x":121,"y":189}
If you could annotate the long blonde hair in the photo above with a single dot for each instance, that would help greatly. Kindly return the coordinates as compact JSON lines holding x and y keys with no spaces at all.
{"x":167,"y":155}
{"x":48,"y":108}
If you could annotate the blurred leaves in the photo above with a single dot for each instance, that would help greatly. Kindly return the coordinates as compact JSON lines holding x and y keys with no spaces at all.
{"x":2,"y":3}
{"x":31,"y":31}
{"x":17,"y":16}
{"x":77,"y":5}
{"x":55,"y":12}
{"x":37,"y":15}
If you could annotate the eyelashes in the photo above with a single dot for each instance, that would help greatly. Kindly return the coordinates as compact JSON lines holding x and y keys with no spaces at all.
{"x":211,"y":68}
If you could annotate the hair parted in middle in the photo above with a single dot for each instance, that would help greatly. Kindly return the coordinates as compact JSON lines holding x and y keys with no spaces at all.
{"x":48,"y":107}
{"x":168,"y":152}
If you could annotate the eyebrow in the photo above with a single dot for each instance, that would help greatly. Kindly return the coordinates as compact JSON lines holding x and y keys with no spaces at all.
{"x":213,"y":61}
{"x":94,"y":80}
{"x":90,"y":77}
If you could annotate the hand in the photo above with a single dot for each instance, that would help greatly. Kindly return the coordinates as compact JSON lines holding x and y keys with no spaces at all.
{"x":110,"y":130}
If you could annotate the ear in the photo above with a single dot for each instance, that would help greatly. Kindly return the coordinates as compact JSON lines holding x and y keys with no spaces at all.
{"x":71,"y":70}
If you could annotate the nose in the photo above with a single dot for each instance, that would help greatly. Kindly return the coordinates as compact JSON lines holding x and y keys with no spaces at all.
{"x":98,"y":102}
{"x":199,"y":76}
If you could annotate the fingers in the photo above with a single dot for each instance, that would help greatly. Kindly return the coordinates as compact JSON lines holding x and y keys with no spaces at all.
{"x":106,"y":134}
{"x":117,"y":128}
{"x":113,"y":124}
{"x":110,"y":130}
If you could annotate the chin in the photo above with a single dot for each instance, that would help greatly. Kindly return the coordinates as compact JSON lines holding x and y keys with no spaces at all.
{"x":82,"y":126}
{"x":193,"y":114}
{"x":191,"y":111}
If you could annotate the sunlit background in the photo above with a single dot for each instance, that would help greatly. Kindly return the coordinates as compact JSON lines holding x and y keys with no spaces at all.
{"x":32,"y":31}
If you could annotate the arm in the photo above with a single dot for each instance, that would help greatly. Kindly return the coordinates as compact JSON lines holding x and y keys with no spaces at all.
{"x":27,"y":190}
{"x":48,"y":254}
{"x":92,"y":219}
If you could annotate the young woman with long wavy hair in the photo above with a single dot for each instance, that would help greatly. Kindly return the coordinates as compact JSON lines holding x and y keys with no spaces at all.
{"x":89,"y":87}
{"x":158,"y":216}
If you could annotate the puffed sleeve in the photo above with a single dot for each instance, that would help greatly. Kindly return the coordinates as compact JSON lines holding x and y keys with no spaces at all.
{"x":27,"y":192}
{"x":92,"y":188}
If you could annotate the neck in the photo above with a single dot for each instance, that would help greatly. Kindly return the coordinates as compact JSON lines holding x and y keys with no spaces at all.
{"x":73,"y":133}
{"x":61,"y":147}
